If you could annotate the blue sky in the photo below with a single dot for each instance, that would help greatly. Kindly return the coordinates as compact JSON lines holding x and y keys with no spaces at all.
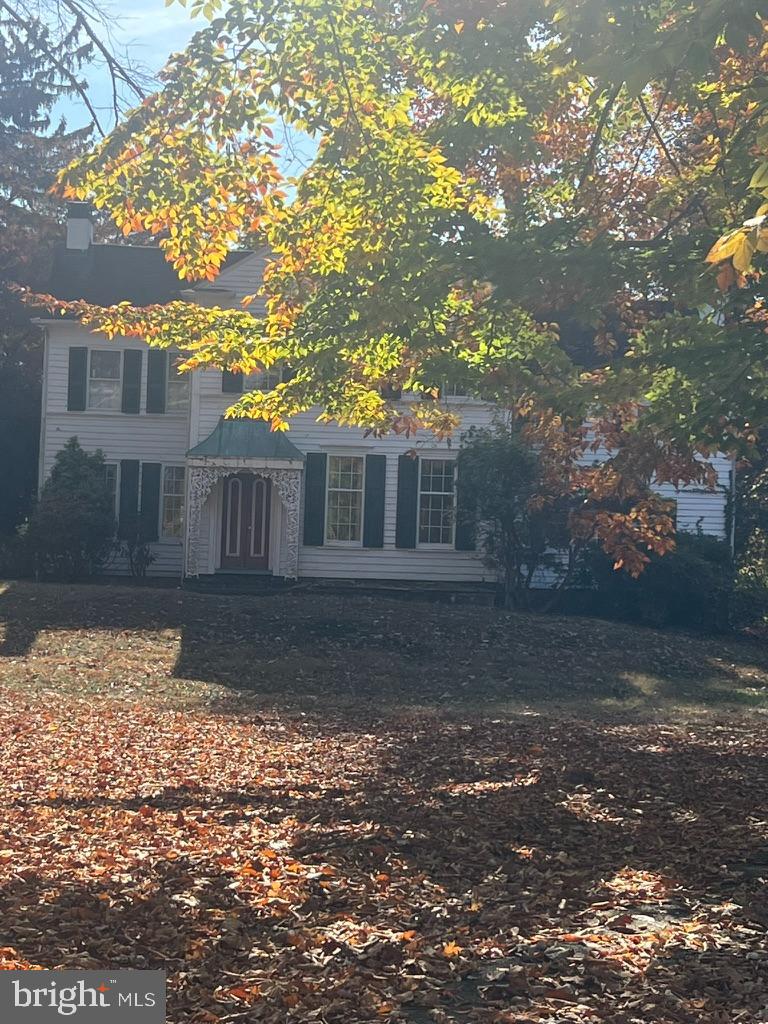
{"x":151,"y":31}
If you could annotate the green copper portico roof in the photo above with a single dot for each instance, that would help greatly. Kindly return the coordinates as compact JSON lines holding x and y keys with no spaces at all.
{"x":246,"y":439}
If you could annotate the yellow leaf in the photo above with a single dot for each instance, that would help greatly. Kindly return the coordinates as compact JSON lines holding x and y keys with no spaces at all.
{"x":724,"y":247}
{"x":742,"y":257}
{"x":760,"y":177}
{"x":451,"y":949}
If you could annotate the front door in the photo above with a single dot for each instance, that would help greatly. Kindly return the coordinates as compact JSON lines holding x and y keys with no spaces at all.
{"x":245,"y":522}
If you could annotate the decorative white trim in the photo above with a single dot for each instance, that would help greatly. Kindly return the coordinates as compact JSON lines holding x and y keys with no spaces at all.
{"x":201,"y":479}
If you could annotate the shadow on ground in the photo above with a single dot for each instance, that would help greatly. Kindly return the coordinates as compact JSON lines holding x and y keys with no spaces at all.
{"x":559,"y":871}
{"x":294,"y":644}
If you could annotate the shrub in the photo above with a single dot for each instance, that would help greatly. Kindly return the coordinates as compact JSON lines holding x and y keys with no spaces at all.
{"x":499,"y":483}
{"x":15,"y":560}
{"x":72,"y":528}
{"x":138,"y":554}
{"x":691,"y":587}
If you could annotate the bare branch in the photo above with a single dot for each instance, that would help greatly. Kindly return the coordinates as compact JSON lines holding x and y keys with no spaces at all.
{"x":652,"y":124}
{"x":594,"y":145}
{"x":75,"y":84}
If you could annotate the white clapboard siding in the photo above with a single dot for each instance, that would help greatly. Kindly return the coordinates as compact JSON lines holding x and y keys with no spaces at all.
{"x":146,"y":438}
{"x":243,"y":279}
{"x":166,"y":439}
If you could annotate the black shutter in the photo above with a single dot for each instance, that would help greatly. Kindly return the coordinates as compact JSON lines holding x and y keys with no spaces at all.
{"x":157,"y":377}
{"x":465,"y":524}
{"x":128,"y":523}
{"x":78,"y":378}
{"x":373,"y":514}
{"x":314,"y":499}
{"x":232,"y":383}
{"x":150,"y":500}
{"x":407,"y":501}
{"x":131,"y":380}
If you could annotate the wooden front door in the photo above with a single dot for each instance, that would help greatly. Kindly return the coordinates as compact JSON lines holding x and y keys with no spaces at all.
{"x":245,"y":522}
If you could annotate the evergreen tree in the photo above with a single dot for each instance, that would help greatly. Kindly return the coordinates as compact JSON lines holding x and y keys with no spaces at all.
{"x":71,"y":530}
{"x":46,"y":46}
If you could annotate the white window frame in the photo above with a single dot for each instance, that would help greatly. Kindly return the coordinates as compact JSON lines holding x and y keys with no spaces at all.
{"x":251,"y":380}
{"x":169,"y":538}
{"x":116,"y":505}
{"x":448,"y":545}
{"x":118,"y":381}
{"x":463,"y":399}
{"x":344,"y":543}
{"x":170,"y":374}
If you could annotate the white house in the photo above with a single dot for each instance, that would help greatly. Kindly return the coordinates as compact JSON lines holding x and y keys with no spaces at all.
{"x":216,"y":496}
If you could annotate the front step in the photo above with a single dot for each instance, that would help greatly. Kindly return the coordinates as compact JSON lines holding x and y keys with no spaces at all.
{"x":238,"y":583}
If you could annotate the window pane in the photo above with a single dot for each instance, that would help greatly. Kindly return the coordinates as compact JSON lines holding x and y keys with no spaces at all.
{"x":104,"y":380}
{"x":345,"y":472}
{"x":345,"y":498}
{"x":173,"y":501}
{"x":177,"y":398}
{"x":110,"y":479}
{"x":105,"y":365}
{"x":104,"y":394}
{"x":436,"y":501}
{"x":265,"y":380}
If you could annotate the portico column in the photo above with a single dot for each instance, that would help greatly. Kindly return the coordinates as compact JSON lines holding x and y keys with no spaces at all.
{"x":201,"y":480}
{"x":288,"y":484}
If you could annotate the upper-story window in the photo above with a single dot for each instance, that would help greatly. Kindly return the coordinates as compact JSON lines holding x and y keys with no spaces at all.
{"x":177,"y":388}
{"x":344,"y":515}
{"x":263,"y":380}
{"x":437,"y":501}
{"x":104,"y":379}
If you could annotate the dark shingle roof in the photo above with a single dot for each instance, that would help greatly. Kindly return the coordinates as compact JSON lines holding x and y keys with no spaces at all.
{"x":107,"y":274}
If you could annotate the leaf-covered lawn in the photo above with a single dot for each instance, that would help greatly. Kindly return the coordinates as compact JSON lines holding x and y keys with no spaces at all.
{"x":309,"y":808}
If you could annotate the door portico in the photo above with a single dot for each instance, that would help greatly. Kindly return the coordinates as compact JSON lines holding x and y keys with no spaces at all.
{"x":233,"y":475}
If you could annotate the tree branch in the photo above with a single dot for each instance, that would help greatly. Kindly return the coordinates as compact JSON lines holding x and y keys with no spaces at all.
{"x":596,"y":138}
{"x":655,"y":129}
{"x":76,"y":85}
{"x":117,"y":70}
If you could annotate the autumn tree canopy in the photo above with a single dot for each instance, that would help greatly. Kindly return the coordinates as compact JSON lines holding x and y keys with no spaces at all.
{"x":520,"y":197}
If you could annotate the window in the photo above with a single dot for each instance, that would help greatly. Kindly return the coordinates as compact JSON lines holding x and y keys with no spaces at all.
{"x":172,"y":502}
{"x":110,"y":479}
{"x":177,"y":394}
{"x":344,"y":516}
{"x":455,"y":390}
{"x":104,"y":387}
{"x":436,"y":501}
{"x":264,"y":380}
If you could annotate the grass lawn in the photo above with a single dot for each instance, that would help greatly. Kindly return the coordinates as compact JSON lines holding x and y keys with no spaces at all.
{"x":313,"y":808}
